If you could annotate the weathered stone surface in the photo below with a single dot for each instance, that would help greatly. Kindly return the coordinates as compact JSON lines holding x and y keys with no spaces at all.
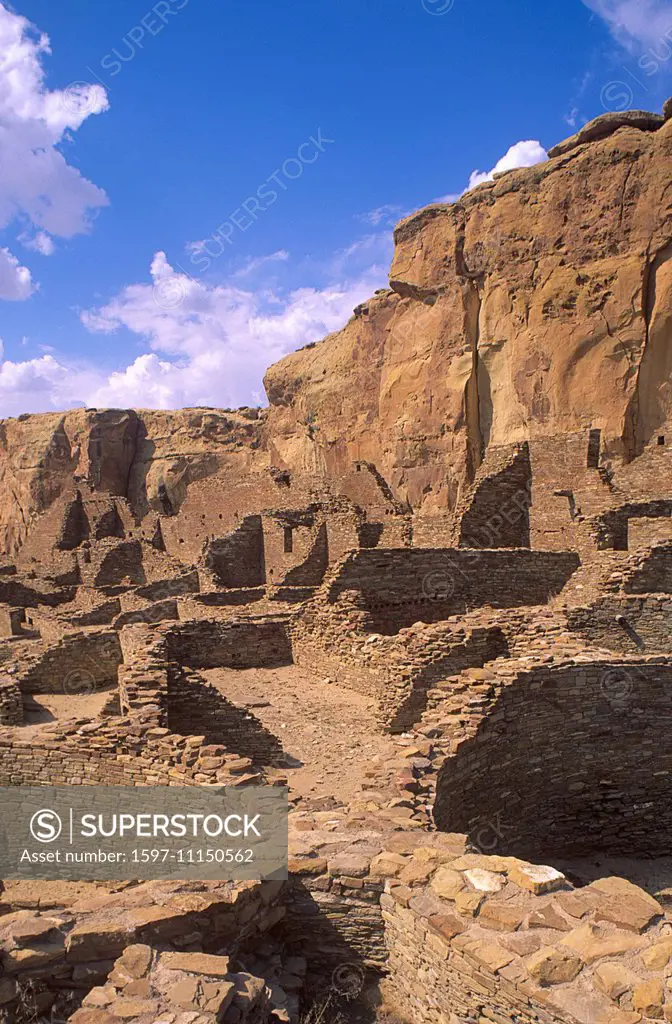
{"x":591,"y":942}
{"x":484,"y":881}
{"x":606,"y":124}
{"x":648,"y":998}
{"x":615,"y":980}
{"x":552,"y":967}
{"x":656,"y":957}
{"x":447,"y":883}
{"x":537,"y":878}
{"x":506,"y":272}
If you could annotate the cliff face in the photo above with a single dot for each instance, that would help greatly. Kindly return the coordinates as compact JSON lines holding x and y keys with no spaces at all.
{"x":147,"y":457}
{"x":537,"y":305}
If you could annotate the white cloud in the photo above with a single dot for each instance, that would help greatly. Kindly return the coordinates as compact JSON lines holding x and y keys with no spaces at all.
{"x":37,"y":184}
{"x":387,"y":214}
{"x":206,"y":344}
{"x":281,"y":256}
{"x":42,"y":385}
{"x":218,"y":340}
{"x":522,"y":154}
{"x":42,"y":243}
{"x":16,"y":283}
{"x":635,"y":23}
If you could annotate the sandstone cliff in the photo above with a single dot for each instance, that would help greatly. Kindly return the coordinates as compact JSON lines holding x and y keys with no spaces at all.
{"x":149,"y":457}
{"x":537,"y":305}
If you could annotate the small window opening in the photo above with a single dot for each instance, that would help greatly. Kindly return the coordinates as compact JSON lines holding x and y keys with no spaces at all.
{"x":288,"y":540}
{"x":661,"y":439}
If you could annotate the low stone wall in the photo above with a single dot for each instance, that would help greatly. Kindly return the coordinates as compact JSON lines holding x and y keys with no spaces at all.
{"x":112,"y":562}
{"x":396,"y":670}
{"x":116,"y":752}
{"x":222,"y":598}
{"x":182,"y":583}
{"x":11,"y":701}
{"x":388,"y":590}
{"x":196,"y":707}
{"x":235,"y":643}
{"x":77,"y":949}
{"x":158,"y":611}
{"x":474,"y":937}
{"x":626,"y":623}
{"x":203,"y":988}
{"x":651,"y":571}
{"x":572,"y":757}
{"x":451,"y":932}
{"x":52,"y":625}
{"x":87,"y":659}
{"x":645,"y":532}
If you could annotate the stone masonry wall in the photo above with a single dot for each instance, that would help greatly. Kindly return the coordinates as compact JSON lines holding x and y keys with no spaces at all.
{"x":196,"y":707}
{"x":75,"y":950}
{"x":11,"y":703}
{"x":564,"y":754}
{"x":387,"y":590}
{"x":645,"y":532}
{"x":496,"y":511}
{"x":474,"y":937}
{"x":397,"y":670}
{"x":116,"y":752}
{"x":90,"y":655}
{"x":237,"y":560}
{"x":626,"y":623}
{"x":234,"y":643}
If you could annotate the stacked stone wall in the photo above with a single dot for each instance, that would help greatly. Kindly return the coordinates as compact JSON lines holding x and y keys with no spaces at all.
{"x":11,"y":701}
{"x":117,"y":752}
{"x":92,"y":655}
{"x":387,"y":590}
{"x":237,"y":560}
{"x":112,"y":562}
{"x":572,"y":757}
{"x":236,"y":643}
{"x":396,"y":670}
{"x":495,"y":513}
{"x":626,"y":623}
{"x":647,"y":531}
{"x":196,"y":707}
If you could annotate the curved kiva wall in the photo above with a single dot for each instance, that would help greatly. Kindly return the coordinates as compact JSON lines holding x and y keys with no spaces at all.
{"x":565,"y":760}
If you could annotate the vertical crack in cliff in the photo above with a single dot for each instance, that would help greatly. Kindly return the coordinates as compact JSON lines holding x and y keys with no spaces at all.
{"x":473,"y":303}
{"x":475,"y":439}
{"x":636,"y":432}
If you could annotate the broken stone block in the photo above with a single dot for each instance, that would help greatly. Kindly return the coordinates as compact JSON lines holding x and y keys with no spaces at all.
{"x":447,"y":883}
{"x":614,"y":980}
{"x":648,"y":998}
{"x":484,"y":881}
{"x":551,"y":966}
{"x":590,"y":942}
{"x":537,"y":878}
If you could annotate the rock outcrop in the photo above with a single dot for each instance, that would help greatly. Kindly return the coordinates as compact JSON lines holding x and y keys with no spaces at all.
{"x":537,"y":306}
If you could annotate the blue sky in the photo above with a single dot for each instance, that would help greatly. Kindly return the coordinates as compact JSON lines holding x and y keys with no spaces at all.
{"x":190,"y":189}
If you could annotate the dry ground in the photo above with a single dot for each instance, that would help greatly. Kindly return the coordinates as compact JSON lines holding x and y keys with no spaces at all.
{"x":331,"y":730}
